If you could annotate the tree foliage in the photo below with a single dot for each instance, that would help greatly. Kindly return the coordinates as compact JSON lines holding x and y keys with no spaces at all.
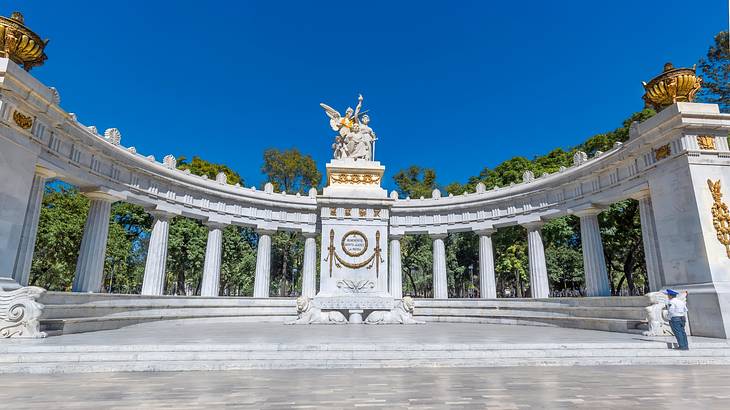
{"x":290,"y":171}
{"x":199,"y":166}
{"x":715,"y":68}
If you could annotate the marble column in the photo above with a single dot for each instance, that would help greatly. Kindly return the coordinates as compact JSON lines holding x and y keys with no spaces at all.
{"x":440,"y":281}
{"x":594,"y":262}
{"x":651,"y":245}
{"x":154,"y":269}
{"x":21,"y":270}
{"x":212,"y":265}
{"x":539,"y":284}
{"x":395,"y":269}
{"x":309,"y":268}
{"x":90,"y":263}
{"x":487,"y":280}
{"x":263,"y":265}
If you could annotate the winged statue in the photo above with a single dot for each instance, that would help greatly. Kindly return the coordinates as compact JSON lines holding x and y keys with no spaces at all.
{"x":355,"y":138}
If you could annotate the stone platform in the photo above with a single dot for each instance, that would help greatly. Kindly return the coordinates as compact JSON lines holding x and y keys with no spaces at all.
{"x":234,"y":344}
{"x":67,"y":313}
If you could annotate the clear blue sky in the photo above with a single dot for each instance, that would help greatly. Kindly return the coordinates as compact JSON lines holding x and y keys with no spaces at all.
{"x":452,"y":85}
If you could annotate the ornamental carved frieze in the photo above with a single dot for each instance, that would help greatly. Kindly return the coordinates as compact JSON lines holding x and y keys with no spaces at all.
{"x":23,"y":121}
{"x":662,"y":152}
{"x":706,"y":142}
{"x":354,"y":179}
{"x":720,"y":215}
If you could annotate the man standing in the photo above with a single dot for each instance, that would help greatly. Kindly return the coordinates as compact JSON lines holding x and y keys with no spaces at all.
{"x":677,"y":308}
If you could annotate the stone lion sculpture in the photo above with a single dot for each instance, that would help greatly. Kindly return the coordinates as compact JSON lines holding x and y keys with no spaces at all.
{"x":307,"y":314}
{"x":402,"y":314}
{"x":657,"y":316}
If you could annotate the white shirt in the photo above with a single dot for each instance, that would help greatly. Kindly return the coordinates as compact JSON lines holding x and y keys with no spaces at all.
{"x":677,"y":307}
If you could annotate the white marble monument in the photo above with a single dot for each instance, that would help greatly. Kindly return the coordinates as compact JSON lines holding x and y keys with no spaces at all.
{"x":354,"y":212}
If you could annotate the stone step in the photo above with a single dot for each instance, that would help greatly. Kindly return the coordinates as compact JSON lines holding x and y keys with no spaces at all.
{"x":56,"y":327}
{"x":80,"y":311}
{"x":628,"y":313}
{"x":603,"y":324}
{"x":609,"y":301}
{"x":290,"y":357}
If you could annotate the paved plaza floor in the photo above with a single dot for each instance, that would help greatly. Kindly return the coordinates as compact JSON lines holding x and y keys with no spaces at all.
{"x":691,"y":387}
{"x":230,"y":331}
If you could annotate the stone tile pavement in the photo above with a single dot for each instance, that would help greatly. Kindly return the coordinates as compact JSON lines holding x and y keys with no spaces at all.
{"x":679,"y":387}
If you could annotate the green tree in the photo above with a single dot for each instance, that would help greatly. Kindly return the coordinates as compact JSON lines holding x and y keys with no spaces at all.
{"x":415,"y":182}
{"x":292,"y":172}
{"x":199,"y":166}
{"x":715,"y":68}
{"x":185,"y":256}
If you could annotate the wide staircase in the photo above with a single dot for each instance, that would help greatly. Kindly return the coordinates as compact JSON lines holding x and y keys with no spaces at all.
{"x":612,"y":314}
{"x":67,"y":313}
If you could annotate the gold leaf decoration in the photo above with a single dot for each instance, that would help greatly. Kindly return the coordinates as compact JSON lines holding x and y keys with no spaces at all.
{"x":706,"y":142}
{"x":720,"y":215}
{"x":23,"y":121}
{"x":662,"y":152}
{"x":355,"y":179}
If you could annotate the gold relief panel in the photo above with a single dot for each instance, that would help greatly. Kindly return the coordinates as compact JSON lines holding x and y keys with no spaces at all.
{"x":706,"y":142}
{"x":23,"y":121}
{"x":354,"y":179}
{"x":720,"y":215}
{"x":662,"y":152}
{"x":333,"y":211}
{"x":362,"y":212}
{"x":376,"y":213}
{"x":348,"y":212}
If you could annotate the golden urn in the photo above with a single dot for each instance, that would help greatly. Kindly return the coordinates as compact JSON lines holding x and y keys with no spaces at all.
{"x":671,"y":86}
{"x":19,"y":43}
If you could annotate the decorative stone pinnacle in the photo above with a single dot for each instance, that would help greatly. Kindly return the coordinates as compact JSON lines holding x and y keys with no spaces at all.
{"x":580,"y":158}
{"x":169,"y":161}
{"x":221,"y":178}
{"x":113,"y":136}
{"x":19,"y":43}
{"x":528,"y":176}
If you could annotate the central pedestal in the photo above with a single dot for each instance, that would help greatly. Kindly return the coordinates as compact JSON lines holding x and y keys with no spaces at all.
{"x":354,"y":215}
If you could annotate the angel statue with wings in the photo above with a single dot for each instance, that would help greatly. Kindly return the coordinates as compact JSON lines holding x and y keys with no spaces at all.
{"x":356,"y":138}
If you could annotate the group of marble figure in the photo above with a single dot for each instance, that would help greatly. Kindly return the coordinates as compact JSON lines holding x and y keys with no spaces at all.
{"x":665,"y":165}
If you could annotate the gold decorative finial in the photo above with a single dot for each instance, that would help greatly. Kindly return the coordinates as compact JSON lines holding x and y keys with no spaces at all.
{"x":671,"y":86}
{"x":19,"y":43}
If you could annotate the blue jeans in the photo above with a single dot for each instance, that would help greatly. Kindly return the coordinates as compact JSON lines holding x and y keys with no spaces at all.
{"x":677,"y":325}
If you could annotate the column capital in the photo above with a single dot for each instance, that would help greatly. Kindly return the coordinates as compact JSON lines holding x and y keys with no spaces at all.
{"x":533,"y":225}
{"x":101,"y":196}
{"x":395,"y":236}
{"x":265,"y":231}
{"x":590,"y":211}
{"x":310,"y":234}
{"x":160,"y":215}
{"x":215,"y":225}
{"x":485,"y":232}
{"x":643,"y":194}
{"x":438,"y":235}
{"x":44,"y":172}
